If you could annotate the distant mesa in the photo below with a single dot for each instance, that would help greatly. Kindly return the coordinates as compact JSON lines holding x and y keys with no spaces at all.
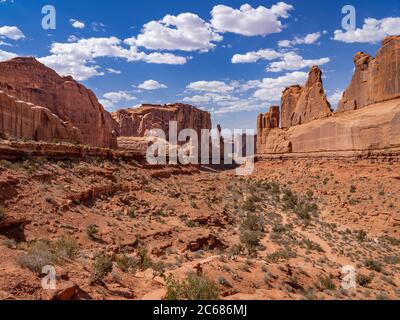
{"x":136,"y":122}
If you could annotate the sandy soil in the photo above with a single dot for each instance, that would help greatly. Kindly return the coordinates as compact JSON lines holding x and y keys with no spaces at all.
{"x":283,"y":233}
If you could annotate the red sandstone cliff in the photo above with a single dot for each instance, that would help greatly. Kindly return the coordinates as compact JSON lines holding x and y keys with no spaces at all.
{"x":22,"y":119}
{"x":136,"y":122}
{"x":30,"y":81}
{"x":309,"y":127}
{"x":265,"y":123}
{"x":304,"y":104}
{"x":375,"y":79}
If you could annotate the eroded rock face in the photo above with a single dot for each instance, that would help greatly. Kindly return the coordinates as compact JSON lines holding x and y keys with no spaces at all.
{"x":368,"y":116}
{"x":304,"y":104}
{"x":375,"y":79}
{"x":22,"y":119}
{"x":30,"y":81}
{"x":136,"y":122}
{"x":375,"y":127}
{"x":265,"y":123}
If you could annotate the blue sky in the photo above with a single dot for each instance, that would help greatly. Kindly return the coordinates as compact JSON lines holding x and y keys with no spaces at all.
{"x":231,"y":58}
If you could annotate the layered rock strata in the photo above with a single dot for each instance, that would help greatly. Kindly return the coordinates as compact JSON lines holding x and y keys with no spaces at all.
{"x":136,"y":122}
{"x":375,"y":79}
{"x":22,"y":119}
{"x":367,"y":119}
{"x":30,"y":81}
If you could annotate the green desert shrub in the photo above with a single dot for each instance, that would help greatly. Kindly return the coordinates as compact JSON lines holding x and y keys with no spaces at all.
{"x":42,"y":253}
{"x":327,"y":283}
{"x":194,"y":287}
{"x":66,"y":248}
{"x":39,"y":255}
{"x":363,"y":280}
{"x":92,"y":231}
{"x":250,"y":239}
{"x":125,"y":263}
{"x":102,"y":267}
{"x":373,"y":265}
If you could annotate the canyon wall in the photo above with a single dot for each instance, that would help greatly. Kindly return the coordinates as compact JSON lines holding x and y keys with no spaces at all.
{"x":30,"y":81}
{"x":374,"y":127}
{"x":368,"y":116}
{"x":22,"y":119}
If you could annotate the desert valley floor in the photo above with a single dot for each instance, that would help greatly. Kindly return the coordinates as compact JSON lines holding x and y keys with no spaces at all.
{"x":285,"y":232}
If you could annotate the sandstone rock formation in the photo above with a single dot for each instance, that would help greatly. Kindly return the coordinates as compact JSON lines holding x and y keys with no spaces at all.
{"x":136,"y":122}
{"x":265,"y":123}
{"x":374,"y":127}
{"x":22,"y":119}
{"x":30,"y":81}
{"x":308,"y":125}
{"x":375,"y":79}
{"x":304,"y":104}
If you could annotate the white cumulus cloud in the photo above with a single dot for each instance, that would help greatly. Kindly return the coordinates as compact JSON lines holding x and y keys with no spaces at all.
{"x":372,"y":31}
{"x":11,"y":32}
{"x":4,"y":55}
{"x":335,"y":97}
{"x":210,"y":86}
{"x":110,"y":99}
{"x":152,"y":85}
{"x":77,"y":24}
{"x":292,"y":61}
{"x":79,"y":58}
{"x":308,"y":39}
{"x":186,"y":32}
{"x":270,"y":89}
{"x":254,"y":56}
{"x":249,"y":21}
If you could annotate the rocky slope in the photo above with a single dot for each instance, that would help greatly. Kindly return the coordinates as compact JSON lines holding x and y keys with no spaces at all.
{"x":285,"y":232}
{"x":30,"y":81}
{"x":375,"y":79}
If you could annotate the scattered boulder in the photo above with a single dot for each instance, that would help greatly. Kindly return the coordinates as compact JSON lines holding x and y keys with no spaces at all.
{"x":208,"y":241}
{"x":10,"y":224}
{"x":68,"y":291}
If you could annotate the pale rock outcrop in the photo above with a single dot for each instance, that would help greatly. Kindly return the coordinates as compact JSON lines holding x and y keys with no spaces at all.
{"x":29,"y":80}
{"x":25,"y":120}
{"x":304,"y":104}
{"x":375,"y":79}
